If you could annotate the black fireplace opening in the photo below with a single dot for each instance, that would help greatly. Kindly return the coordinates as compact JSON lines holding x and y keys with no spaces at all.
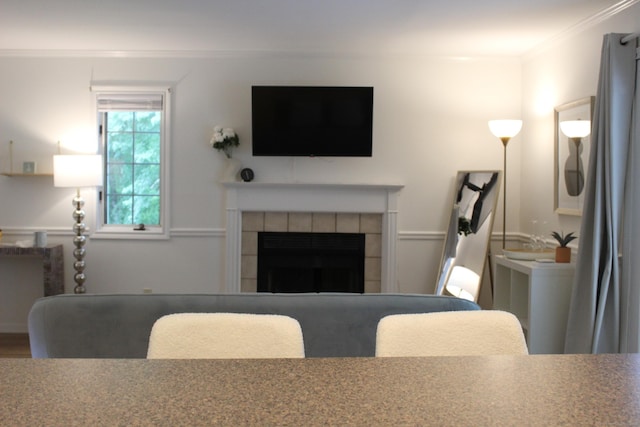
{"x":310,"y":262}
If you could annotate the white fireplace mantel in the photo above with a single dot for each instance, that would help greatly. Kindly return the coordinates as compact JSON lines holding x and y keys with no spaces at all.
{"x":311,"y":197}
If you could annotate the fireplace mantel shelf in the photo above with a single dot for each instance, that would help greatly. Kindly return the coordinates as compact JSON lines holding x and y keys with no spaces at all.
{"x":311,"y":185}
{"x":311,"y":197}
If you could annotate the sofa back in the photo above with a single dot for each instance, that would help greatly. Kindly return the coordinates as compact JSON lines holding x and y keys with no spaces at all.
{"x":118,"y":326}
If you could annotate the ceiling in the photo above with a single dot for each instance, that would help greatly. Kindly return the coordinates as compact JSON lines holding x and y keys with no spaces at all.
{"x":426,"y":27}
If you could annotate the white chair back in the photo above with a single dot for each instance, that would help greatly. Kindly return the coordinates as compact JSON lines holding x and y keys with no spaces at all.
{"x":225,"y":336}
{"x":451,"y":333}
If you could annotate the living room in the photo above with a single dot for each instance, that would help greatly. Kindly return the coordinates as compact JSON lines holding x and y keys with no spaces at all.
{"x":430,"y":121}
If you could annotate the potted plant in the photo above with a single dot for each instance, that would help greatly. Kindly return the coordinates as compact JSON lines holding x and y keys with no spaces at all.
{"x":225,"y":139}
{"x":563,"y":252}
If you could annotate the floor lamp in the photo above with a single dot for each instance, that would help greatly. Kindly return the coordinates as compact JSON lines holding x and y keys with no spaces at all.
{"x":575,"y":130}
{"x":505,"y":130}
{"x":81,"y":170}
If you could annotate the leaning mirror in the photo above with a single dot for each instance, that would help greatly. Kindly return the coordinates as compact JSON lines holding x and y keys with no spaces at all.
{"x":468,"y":235}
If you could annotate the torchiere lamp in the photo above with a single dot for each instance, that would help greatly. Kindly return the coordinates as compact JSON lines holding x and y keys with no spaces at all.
{"x":575,"y":130}
{"x":505,"y":130}
{"x":81,"y":170}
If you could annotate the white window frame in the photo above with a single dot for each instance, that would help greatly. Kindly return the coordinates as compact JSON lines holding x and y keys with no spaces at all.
{"x":162,"y":231}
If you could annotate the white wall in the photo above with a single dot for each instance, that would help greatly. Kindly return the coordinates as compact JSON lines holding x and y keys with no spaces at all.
{"x":560,"y":72}
{"x":430,"y":120}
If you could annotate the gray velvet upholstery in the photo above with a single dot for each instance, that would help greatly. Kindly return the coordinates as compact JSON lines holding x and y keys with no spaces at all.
{"x":118,"y":326}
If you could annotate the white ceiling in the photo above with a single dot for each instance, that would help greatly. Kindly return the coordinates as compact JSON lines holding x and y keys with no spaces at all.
{"x":451,"y":27}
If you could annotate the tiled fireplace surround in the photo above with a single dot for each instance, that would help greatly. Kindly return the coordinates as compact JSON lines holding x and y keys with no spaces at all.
{"x":311,"y":222}
{"x":350,"y":208}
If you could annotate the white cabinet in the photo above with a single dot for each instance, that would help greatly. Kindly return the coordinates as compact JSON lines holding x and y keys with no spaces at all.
{"x":539,"y":295}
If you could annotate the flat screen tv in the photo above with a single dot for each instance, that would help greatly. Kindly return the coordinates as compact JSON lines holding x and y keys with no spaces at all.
{"x":312,"y":121}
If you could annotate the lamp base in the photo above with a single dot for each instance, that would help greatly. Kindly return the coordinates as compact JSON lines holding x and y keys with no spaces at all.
{"x":79,"y":240}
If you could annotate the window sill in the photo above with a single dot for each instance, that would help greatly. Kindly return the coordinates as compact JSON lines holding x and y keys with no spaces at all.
{"x":130,"y":235}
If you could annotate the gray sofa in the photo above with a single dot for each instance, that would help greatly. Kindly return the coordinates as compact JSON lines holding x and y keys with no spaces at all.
{"x":118,"y":326}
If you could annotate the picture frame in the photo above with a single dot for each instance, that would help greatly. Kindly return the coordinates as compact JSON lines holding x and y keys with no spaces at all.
{"x":571,"y":158}
{"x":28,"y":168}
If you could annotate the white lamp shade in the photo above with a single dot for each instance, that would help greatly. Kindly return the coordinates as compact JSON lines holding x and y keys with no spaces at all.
{"x":463,"y":283}
{"x":77,"y":170}
{"x":505,"y":128}
{"x":576,"y":128}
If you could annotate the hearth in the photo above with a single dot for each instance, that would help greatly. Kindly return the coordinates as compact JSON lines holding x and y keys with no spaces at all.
{"x":311,"y":262}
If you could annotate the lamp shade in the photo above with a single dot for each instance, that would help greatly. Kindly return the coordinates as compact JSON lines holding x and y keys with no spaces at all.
{"x":77,"y":170}
{"x":505,"y":128}
{"x":576,"y":128}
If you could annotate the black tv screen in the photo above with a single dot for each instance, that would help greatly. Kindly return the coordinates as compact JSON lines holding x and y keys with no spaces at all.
{"x":312,"y":121}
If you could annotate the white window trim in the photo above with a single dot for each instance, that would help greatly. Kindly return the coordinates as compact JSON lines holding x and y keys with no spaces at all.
{"x":163,"y":231}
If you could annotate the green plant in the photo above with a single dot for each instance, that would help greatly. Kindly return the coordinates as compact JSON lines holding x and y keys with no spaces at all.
{"x":563,"y":240}
{"x":224,"y":140}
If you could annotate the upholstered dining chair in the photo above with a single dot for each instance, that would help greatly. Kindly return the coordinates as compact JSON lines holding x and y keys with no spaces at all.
{"x":225,"y":336}
{"x":451,"y":333}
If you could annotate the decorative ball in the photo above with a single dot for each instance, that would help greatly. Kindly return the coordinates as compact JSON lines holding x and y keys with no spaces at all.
{"x":79,"y":240}
{"x":78,"y":202}
{"x":78,"y":214}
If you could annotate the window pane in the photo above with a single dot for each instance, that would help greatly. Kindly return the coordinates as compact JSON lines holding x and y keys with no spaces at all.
{"x":119,"y":179}
{"x":147,"y":148}
{"x":146,"y":210}
{"x":121,"y":121}
{"x":119,"y":147}
{"x":119,"y":209}
{"x":147,"y":179}
{"x":147,"y":121}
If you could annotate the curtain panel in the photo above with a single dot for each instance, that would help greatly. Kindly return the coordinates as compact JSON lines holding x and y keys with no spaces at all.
{"x":604,"y":312}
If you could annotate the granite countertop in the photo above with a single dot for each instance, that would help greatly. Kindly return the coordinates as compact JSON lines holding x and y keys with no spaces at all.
{"x":493,"y":390}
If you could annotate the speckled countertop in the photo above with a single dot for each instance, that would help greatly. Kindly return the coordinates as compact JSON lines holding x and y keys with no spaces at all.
{"x":457,"y":391}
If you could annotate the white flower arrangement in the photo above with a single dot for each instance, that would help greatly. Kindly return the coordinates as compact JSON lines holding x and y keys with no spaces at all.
{"x":224,"y":139}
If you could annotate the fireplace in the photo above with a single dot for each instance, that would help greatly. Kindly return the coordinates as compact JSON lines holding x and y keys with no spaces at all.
{"x":253,"y":207}
{"x":311,"y":262}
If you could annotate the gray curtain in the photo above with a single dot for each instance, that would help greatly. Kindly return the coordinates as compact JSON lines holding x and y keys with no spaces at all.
{"x":604,"y":312}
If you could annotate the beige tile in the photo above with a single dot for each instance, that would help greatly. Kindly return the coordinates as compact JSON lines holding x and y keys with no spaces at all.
{"x":372,"y":269}
{"x":275,"y":221}
{"x":372,"y":286}
{"x":373,"y":245}
{"x":252,"y":221}
{"x":300,"y":222}
{"x":348,"y":223}
{"x":249,"y":285}
{"x":371,"y":223}
{"x":249,"y":267}
{"x":324,"y":223}
{"x":249,"y":243}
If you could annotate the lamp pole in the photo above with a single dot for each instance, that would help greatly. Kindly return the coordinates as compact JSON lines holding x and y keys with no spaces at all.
{"x":505,"y":141}
{"x":504,"y":130}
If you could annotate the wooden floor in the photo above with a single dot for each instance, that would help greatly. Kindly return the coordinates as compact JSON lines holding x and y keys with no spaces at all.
{"x":14,"y":345}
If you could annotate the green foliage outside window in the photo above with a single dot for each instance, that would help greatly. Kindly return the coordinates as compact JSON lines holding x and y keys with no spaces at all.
{"x":132,"y":151}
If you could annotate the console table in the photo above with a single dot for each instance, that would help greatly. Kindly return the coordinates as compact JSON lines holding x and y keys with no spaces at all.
{"x":52,"y":264}
{"x":539,"y":295}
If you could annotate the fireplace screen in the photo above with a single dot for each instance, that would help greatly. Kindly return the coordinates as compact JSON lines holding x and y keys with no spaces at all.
{"x":310,"y":262}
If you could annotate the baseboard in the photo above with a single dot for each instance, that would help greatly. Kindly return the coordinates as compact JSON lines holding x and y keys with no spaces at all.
{"x":14,"y":328}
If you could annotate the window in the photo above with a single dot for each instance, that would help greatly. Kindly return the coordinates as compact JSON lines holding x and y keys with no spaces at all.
{"x":133,"y":129}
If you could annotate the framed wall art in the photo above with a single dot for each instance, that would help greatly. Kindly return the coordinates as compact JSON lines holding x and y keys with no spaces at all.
{"x":571,"y":156}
